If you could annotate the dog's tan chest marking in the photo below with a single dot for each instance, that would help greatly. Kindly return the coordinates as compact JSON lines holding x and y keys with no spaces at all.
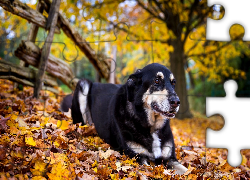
{"x":159,"y":122}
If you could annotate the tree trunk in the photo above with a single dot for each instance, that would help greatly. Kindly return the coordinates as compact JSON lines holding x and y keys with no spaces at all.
{"x":177,"y":67}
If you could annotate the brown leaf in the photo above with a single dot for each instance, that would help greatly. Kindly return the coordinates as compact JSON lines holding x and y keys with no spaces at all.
{"x":2,"y":153}
{"x":3,"y":122}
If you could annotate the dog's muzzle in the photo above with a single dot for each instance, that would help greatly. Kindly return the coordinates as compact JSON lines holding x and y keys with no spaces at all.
{"x":173,"y":106}
{"x":174,"y":102}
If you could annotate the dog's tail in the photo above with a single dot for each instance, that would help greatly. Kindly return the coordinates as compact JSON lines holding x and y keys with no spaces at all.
{"x":80,"y":108}
{"x":66,"y":103}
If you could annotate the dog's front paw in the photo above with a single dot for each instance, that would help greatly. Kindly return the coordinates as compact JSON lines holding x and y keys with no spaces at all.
{"x":179,"y":169}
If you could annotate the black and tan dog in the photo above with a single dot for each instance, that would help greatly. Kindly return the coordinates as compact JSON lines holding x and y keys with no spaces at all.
{"x":134,"y":118}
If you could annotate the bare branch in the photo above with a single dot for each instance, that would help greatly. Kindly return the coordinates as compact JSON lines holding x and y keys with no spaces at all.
{"x":149,"y":11}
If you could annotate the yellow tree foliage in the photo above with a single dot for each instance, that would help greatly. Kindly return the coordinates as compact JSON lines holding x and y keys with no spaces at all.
{"x":141,"y":33}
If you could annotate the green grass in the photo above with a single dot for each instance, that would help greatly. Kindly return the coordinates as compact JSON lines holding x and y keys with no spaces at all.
{"x":65,"y":88}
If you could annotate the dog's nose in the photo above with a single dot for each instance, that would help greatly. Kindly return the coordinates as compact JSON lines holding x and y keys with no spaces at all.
{"x":175,"y":102}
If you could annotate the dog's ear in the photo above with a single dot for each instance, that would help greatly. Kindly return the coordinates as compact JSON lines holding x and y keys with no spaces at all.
{"x":133,"y":82}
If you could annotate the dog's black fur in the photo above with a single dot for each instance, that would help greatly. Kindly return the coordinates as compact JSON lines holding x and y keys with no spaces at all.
{"x":66,"y":103}
{"x":133,"y":118}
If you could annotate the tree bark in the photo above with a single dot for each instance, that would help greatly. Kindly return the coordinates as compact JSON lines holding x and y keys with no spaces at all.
{"x":30,"y":53}
{"x":51,"y":26}
{"x":177,"y":67}
{"x":20,"y":9}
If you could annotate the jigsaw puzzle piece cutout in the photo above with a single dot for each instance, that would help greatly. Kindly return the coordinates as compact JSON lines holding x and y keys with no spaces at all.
{"x":235,"y":13}
{"x":229,"y":107}
{"x":151,"y":27}
{"x":215,"y":12}
{"x":61,"y":47}
{"x":98,"y":30}
{"x":236,"y":32}
{"x":218,"y":167}
{"x":151,"y":31}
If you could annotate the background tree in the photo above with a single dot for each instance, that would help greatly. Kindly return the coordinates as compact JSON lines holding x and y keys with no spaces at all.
{"x":176,"y":31}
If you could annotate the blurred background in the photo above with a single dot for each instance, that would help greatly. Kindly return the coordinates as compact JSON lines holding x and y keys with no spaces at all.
{"x":135,"y":33}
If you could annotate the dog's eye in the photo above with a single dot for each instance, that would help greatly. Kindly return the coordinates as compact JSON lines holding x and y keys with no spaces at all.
{"x":157,"y":81}
{"x":173,"y":82}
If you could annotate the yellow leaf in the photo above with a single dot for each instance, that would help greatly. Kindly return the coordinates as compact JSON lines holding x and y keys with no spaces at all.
{"x":63,"y":125}
{"x":94,"y":164}
{"x":95,"y":169}
{"x":13,"y":130}
{"x":83,"y":126}
{"x":38,"y":169}
{"x":58,"y":157}
{"x":44,"y":121}
{"x":30,"y":141}
{"x":56,"y":144}
{"x":132,"y":173}
{"x":38,"y":178}
{"x":58,"y":172}
{"x":114,"y":176}
{"x":244,"y":160}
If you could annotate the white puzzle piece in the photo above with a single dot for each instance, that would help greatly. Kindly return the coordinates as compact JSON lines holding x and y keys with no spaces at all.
{"x":236,"y":12}
{"x":235,"y":134}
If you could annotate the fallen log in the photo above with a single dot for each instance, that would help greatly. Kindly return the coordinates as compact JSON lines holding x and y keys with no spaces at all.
{"x":24,"y":75}
{"x":30,"y":53}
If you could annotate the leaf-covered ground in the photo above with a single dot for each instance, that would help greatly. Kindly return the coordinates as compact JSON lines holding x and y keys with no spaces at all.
{"x":37,"y":141}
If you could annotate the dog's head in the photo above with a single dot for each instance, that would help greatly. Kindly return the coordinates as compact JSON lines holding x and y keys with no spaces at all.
{"x":153,"y":89}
